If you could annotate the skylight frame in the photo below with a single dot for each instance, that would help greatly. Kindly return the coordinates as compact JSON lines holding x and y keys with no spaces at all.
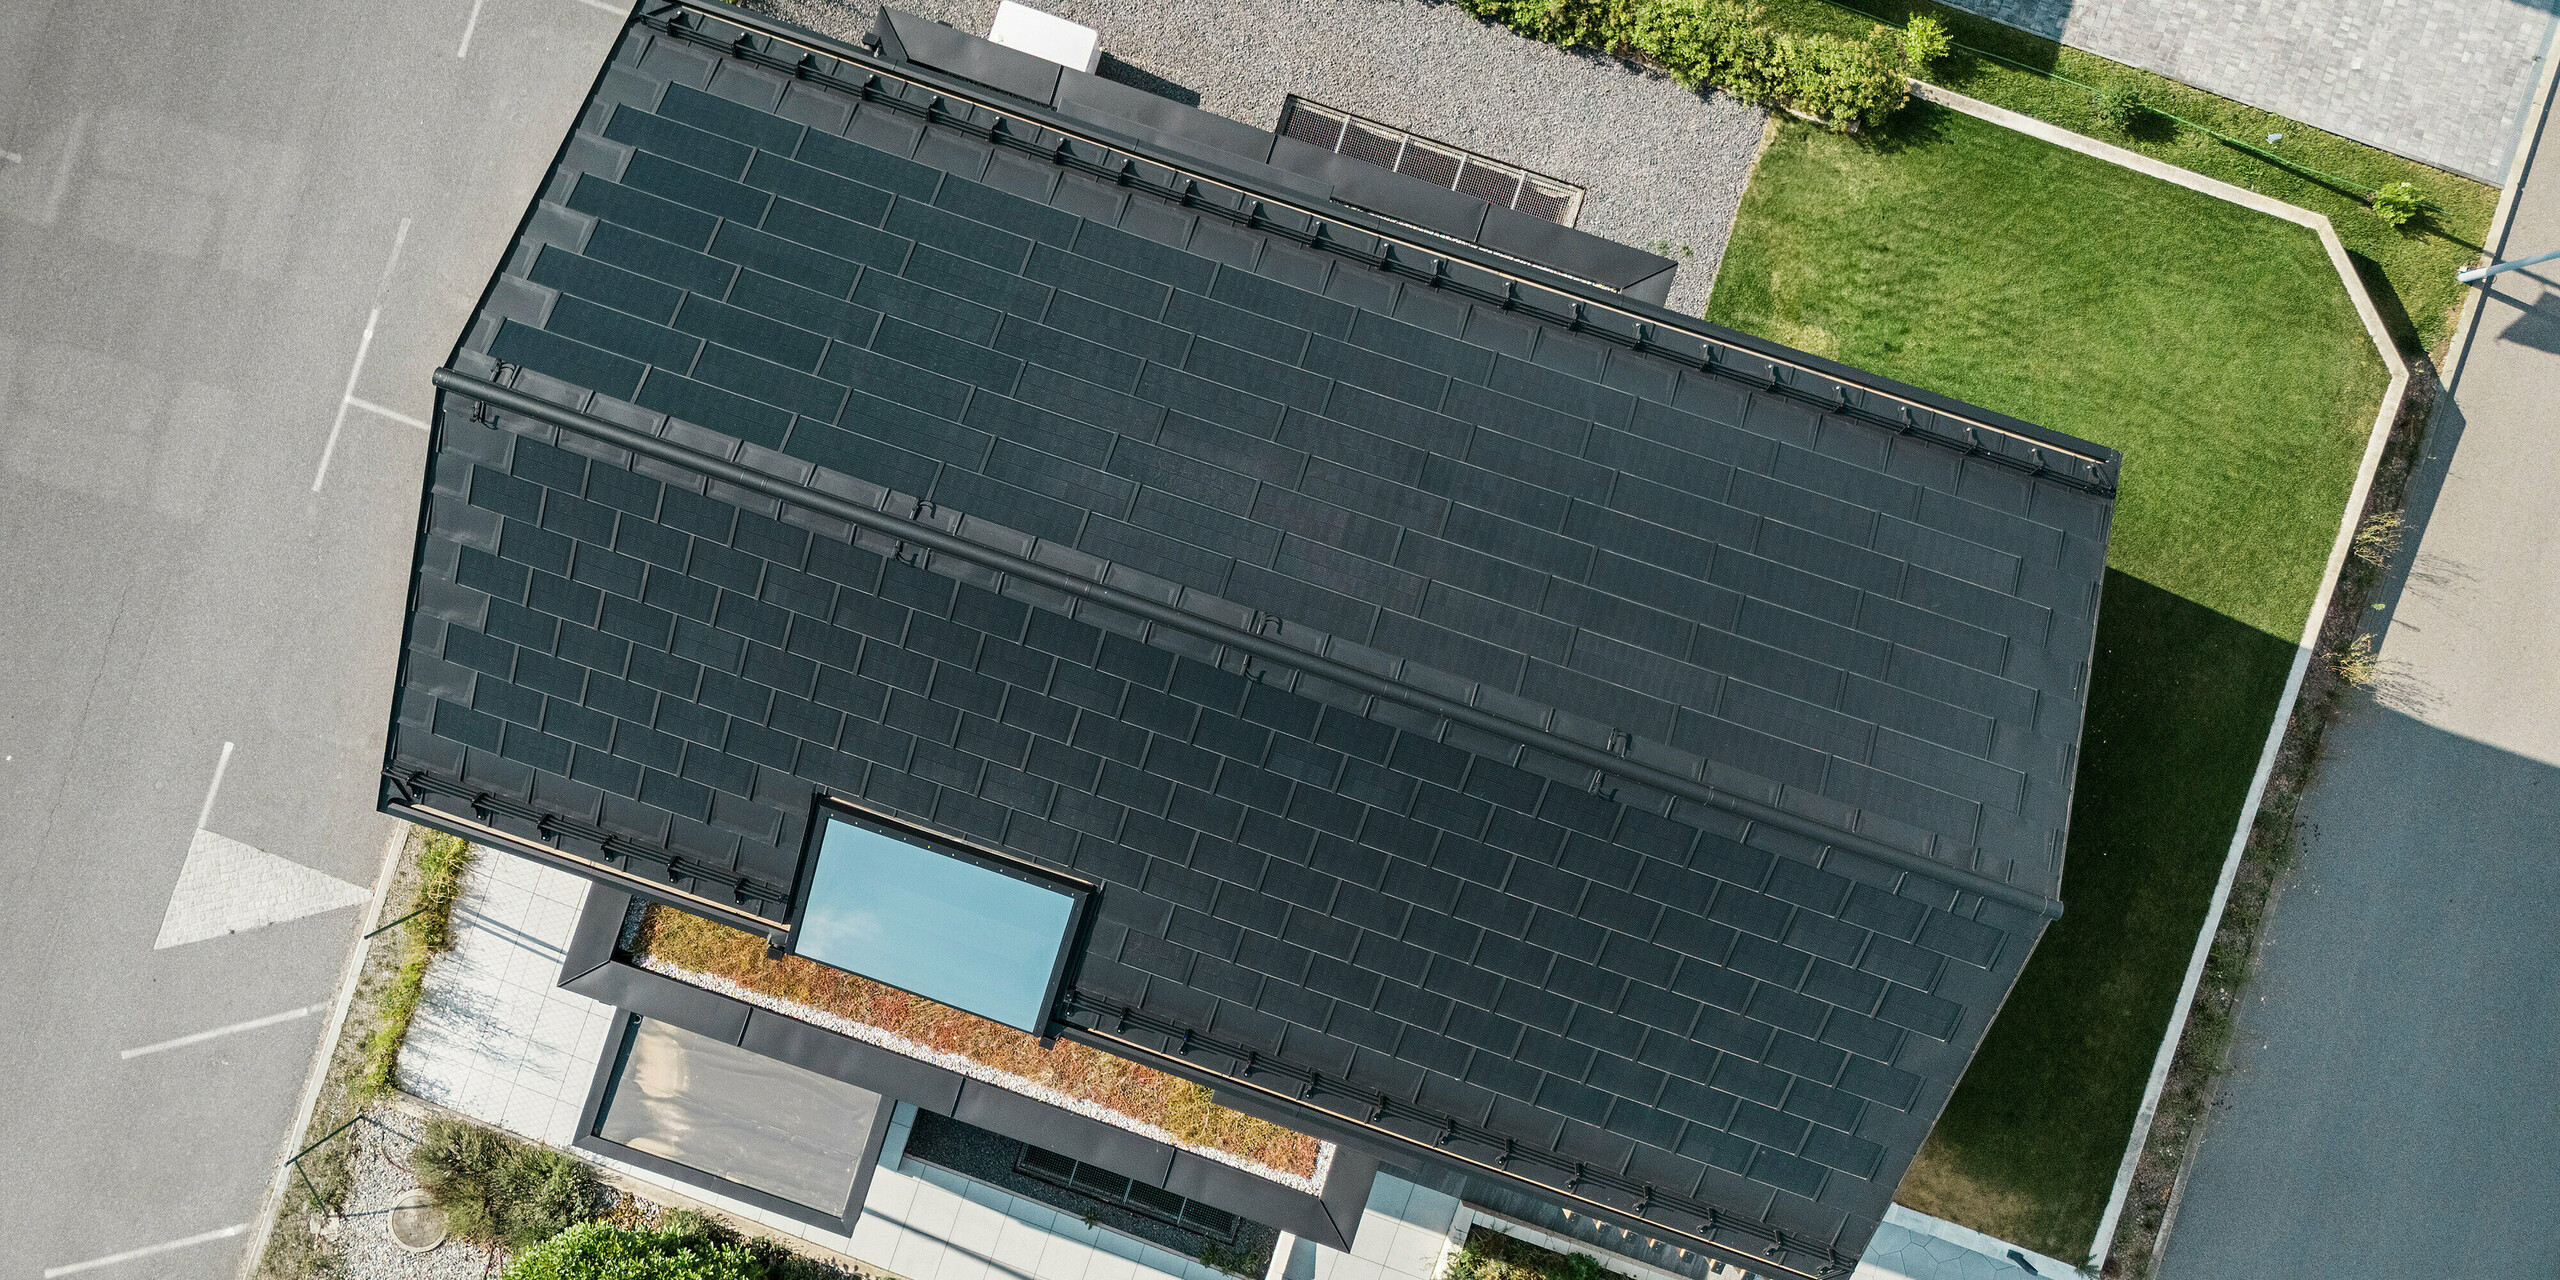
{"x":1072,"y":939}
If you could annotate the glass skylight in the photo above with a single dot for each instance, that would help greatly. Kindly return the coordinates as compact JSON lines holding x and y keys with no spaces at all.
{"x":950,"y":926}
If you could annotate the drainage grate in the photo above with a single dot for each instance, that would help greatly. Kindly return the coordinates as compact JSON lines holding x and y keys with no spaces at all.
{"x":1439,"y":164}
{"x":1111,"y":1188}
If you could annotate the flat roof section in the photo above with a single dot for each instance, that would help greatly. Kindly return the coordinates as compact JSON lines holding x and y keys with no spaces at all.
{"x":696,"y":1107}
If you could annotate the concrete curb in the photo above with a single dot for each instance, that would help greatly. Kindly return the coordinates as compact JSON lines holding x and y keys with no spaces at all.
{"x":273,"y":1203}
{"x":2376,"y":438}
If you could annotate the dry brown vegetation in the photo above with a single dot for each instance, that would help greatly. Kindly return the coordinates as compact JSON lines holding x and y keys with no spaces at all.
{"x":1142,"y":1093}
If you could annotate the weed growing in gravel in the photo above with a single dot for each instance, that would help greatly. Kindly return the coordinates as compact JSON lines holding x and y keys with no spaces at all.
{"x":2379,"y":539}
{"x":428,"y":931}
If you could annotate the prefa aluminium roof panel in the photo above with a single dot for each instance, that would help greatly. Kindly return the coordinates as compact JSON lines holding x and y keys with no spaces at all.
{"x":1636,"y":538}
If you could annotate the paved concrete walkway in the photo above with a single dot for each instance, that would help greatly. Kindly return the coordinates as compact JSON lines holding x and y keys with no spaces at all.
{"x":2393,"y":1108}
{"x":2442,"y":81}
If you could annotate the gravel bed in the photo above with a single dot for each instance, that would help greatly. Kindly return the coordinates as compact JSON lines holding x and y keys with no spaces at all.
{"x":1665,"y":167}
{"x":972,"y":1152}
{"x":378,"y":1178}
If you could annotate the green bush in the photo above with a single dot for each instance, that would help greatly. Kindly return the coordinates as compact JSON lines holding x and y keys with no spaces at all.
{"x":2122,"y":105}
{"x":2399,"y":203}
{"x":1925,"y":41}
{"x":602,"y":1251}
{"x":1491,"y":1255}
{"x":1728,"y":44}
{"x":496,"y":1190}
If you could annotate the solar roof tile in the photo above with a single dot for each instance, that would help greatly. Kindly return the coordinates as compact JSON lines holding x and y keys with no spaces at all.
{"x":659,"y":259}
{"x":1651,"y":555}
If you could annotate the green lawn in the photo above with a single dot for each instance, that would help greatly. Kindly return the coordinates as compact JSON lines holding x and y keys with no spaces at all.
{"x":2410,"y":273}
{"x":2216,"y":348}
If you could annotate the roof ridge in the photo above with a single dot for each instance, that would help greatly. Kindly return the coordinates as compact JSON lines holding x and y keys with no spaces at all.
{"x":1905,"y":410}
{"x":916,"y":531}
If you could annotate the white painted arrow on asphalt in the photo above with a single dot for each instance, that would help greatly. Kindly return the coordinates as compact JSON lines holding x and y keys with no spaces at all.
{"x":226,"y":886}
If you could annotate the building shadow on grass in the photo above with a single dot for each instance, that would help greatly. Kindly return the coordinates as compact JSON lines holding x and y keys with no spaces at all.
{"x":2386,"y":1101}
{"x":2181,"y":698}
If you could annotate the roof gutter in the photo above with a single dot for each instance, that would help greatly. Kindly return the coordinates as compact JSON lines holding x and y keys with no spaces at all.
{"x":1686,"y":786}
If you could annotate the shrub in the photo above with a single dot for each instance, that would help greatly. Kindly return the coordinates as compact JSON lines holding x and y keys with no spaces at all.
{"x":1925,"y":41}
{"x":1491,"y":1255}
{"x":1726,"y":44}
{"x":602,"y":1251}
{"x":2399,"y":203}
{"x":496,"y":1190}
{"x":2122,"y":105}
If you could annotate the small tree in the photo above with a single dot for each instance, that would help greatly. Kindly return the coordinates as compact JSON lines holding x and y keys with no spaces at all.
{"x":1924,"y":42}
{"x":496,"y":1190}
{"x":2399,"y":203}
{"x":2122,"y":105}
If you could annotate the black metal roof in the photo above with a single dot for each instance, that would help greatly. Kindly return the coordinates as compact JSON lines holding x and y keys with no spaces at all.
{"x":1579,"y":742}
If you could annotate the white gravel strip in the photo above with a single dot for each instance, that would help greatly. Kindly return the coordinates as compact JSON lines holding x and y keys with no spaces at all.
{"x":977,"y":1070}
{"x":1665,"y":167}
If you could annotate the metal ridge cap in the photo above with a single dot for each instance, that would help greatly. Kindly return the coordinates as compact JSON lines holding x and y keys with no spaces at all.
{"x":2096,"y":472}
{"x":1687,"y":786}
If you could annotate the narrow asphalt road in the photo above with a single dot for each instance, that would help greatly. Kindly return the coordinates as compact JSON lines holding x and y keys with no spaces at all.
{"x":199,"y":208}
{"x":2394,"y":1105}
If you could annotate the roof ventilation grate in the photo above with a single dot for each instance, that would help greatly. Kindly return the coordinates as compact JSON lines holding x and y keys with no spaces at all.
{"x":1388,"y":147}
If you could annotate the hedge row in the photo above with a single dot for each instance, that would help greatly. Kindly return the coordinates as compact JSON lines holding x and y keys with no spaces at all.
{"x":1727,"y":44}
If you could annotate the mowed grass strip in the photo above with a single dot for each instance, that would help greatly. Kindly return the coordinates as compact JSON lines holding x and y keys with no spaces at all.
{"x":2217,"y":349}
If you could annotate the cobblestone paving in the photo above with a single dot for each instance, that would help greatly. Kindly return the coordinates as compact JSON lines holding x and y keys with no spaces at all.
{"x":2442,"y":81}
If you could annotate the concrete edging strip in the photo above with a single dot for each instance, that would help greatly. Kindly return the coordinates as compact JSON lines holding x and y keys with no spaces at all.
{"x":2376,"y":438}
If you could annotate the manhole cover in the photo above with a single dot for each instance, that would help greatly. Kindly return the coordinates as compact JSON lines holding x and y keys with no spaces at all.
{"x":416,"y":1225}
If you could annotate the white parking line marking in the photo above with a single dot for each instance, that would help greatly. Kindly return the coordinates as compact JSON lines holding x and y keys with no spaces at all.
{"x":219,"y":1032}
{"x":346,"y":401}
{"x":398,"y":238}
{"x":207,"y":1237}
{"x":12,"y":157}
{"x":205,"y":814}
{"x":395,"y":415}
{"x":467,"y":28}
{"x":347,"y":398}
